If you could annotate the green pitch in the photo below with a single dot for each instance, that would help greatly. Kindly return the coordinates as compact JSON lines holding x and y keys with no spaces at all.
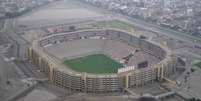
{"x":97,"y":63}
{"x":116,"y":24}
{"x":198,"y":65}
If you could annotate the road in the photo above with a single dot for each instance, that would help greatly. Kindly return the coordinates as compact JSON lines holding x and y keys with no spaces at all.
{"x":19,"y":43}
{"x":164,"y":31}
{"x":139,"y":23}
{"x":9,"y":32}
{"x":9,"y":27}
{"x":147,"y":26}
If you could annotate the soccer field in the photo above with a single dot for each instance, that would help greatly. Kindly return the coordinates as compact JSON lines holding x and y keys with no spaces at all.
{"x":97,"y":63}
{"x":198,"y":65}
{"x":116,"y":24}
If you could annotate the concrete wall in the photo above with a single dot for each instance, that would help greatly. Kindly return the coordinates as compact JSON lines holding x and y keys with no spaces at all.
{"x":82,"y":82}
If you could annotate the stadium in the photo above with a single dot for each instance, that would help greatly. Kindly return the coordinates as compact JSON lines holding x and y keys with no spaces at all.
{"x":101,"y":60}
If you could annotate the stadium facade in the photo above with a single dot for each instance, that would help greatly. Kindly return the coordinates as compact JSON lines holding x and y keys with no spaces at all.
{"x":101,"y":83}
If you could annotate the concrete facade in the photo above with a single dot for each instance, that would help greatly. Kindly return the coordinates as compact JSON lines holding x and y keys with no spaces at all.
{"x":99,"y":83}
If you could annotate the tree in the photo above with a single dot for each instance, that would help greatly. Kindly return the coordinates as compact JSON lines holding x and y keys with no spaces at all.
{"x":194,"y":99}
{"x":8,"y":82}
{"x":192,"y":70}
{"x":72,"y":28}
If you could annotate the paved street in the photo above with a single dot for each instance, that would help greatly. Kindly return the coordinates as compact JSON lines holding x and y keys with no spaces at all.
{"x":15,"y":71}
